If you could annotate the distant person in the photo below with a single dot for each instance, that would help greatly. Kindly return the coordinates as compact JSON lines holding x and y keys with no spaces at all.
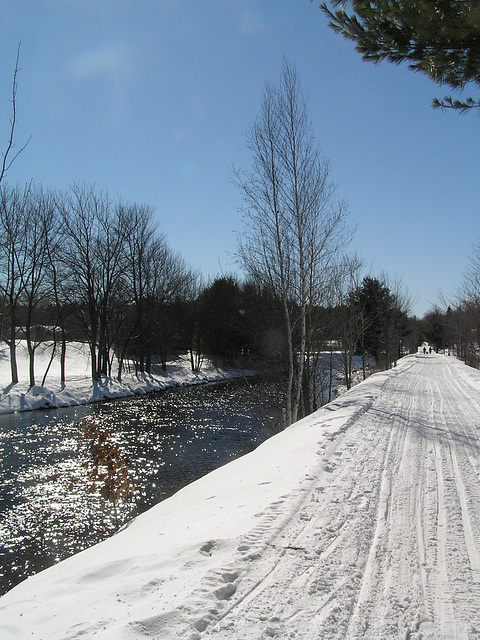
{"x":430,"y":350}
{"x":424,"y":350}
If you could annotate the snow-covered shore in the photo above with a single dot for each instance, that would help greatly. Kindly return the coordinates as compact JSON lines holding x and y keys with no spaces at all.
{"x":360,"y":521}
{"x":79,"y":388}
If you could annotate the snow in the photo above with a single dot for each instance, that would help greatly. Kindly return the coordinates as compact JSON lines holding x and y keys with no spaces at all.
{"x":359,"y":521}
{"x":79,"y":388}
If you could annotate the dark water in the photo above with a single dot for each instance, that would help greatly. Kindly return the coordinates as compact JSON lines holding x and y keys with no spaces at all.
{"x":171,"y":438}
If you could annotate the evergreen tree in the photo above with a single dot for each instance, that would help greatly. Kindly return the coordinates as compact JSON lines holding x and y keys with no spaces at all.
{"x":221,"y":310}
{"x":440,"y":38}
{"x":384,"y":324}
{"x":373,"y":301}
{"x":434,"y":328}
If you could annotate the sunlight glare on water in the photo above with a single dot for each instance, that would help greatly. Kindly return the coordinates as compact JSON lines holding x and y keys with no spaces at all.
{"x":171,"y":438}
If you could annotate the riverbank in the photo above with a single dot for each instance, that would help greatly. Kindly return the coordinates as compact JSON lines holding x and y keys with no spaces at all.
{"x":79,"y":389}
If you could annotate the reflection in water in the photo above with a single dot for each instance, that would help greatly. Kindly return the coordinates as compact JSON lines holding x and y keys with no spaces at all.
{"x":172,"y":438}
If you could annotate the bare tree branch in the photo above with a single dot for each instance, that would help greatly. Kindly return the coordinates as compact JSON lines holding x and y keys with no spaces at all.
{"x":7,"y":158}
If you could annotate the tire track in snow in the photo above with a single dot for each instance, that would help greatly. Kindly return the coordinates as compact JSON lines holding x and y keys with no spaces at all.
{"x":458,"y":467}
{"x":443,"y":558}
{"x":443,"y":598}
{"x":325,"y":547}
{"x":471,"y":540}
{"x":357,"y":622}
{"x":379,"y":611}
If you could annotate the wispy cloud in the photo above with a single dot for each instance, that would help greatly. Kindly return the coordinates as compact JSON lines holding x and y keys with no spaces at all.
{"x":100,"y":62}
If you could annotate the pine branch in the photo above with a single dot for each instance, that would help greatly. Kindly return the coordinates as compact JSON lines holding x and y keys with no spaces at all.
{"x":459,"y":105}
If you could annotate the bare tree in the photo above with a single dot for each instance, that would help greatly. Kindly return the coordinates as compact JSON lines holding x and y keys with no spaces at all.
{"x":396,"y":325}
{"x":151,"y":279}
{"x":10,"y":220}
{"x":80,"y":261}
{"x":13,"y":236}
{"x":10,"y":155}
{"x":27,"y":233}
{"x":466,"y":324}
{"x":129,"y":313}
{"x":295,"y":228}
{"x":93,"y":262}
{"x":349,"y":318}
{"x":57,"y":282}
{"x":39,"y":231}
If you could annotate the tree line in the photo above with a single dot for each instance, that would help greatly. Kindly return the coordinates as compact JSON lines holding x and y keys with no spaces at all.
{"x":456,"y":327}
{"x":362,"y":325}
{"x":78,"y":265}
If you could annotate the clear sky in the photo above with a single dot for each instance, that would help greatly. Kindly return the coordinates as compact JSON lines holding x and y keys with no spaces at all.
{"x":151,"y":100}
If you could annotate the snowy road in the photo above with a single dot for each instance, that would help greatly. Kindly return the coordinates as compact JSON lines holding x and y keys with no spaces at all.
{"x":384,"y":541}
{"x":360,"y":522}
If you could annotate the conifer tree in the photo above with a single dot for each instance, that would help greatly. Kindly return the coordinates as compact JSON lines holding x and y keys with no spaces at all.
{"x":440,"y":38}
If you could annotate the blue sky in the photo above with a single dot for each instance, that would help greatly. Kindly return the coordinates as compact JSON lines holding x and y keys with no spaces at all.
{"x":151,"y":100}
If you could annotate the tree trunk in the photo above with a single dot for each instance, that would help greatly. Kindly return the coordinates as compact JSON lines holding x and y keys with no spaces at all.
{"x":93,"y":361}
{"x":13,"y":351}
{"x":31,"y":362}
{"x":63,"y":357}
{"x":52,"y":355}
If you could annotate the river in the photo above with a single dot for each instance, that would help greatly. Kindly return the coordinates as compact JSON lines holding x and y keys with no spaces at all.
{"x":171,"y":438}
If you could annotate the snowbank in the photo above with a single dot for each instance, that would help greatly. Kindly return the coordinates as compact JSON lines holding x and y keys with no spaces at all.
{"x":79,"y":388}
{"x":142,"y":582}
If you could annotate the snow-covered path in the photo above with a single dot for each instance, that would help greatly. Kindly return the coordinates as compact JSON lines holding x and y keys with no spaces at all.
{"x":384,"y":540}
{"x":361,"y":521}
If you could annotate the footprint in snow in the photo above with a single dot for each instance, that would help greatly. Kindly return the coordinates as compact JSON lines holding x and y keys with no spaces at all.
{"x":207,"y":548}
